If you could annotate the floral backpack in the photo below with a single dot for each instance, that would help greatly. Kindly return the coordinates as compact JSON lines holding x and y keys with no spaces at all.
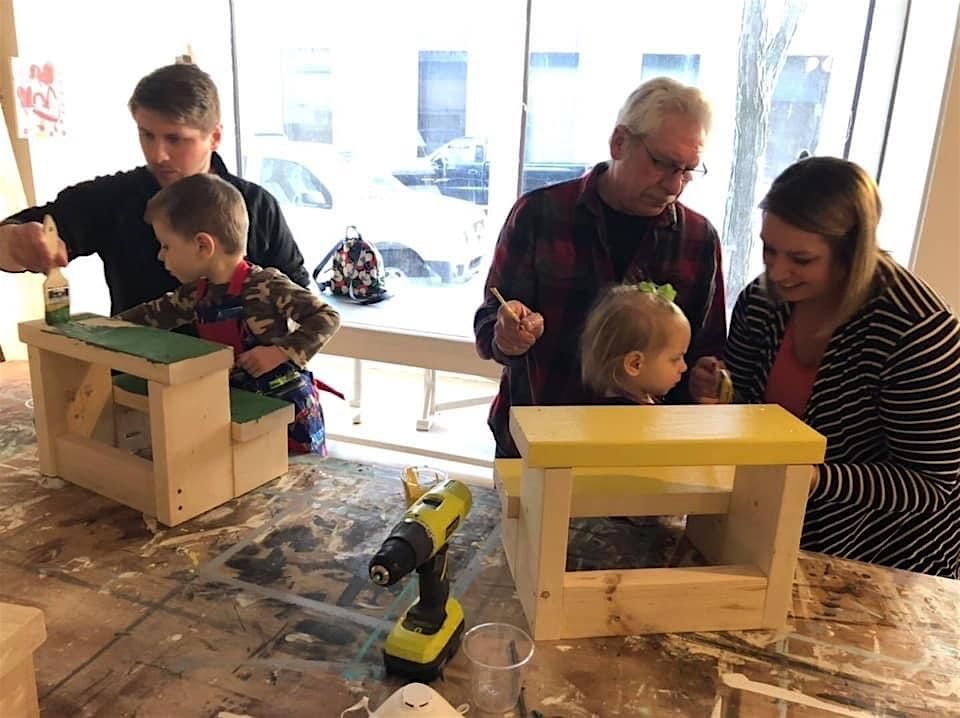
{"x":356,"y":272}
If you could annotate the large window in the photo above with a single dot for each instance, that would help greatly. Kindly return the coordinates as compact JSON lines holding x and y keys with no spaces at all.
{"x":783,"y":77}
{"x":424,"y":146}
{"x":416,"y":145}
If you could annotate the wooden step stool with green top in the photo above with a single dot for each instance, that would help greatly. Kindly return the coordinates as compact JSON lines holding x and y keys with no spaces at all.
{"x":208,"y":444}
{"x":740,"y":473}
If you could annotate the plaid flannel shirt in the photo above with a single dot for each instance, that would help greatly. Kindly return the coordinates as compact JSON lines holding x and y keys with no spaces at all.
{"x":552,"y":255}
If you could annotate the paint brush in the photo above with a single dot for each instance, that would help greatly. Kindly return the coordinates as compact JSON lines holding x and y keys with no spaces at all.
{"x":56,"y":289}
{"x":503,"y":303}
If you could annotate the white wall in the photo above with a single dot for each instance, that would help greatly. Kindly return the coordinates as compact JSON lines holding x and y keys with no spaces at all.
{"x":937,"y":251}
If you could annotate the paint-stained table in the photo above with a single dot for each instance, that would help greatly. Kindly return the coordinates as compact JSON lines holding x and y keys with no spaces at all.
{"x":262,"y":608}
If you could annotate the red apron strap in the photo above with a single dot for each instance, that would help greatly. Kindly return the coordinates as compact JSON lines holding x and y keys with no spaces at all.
{"x":200,"y":291}
{"x":224,"y":331}
{"x":240,"y":275}
{"x":326,"y":387}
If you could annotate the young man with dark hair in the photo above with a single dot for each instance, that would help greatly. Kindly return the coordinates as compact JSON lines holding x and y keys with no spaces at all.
{"x":177,"y":112}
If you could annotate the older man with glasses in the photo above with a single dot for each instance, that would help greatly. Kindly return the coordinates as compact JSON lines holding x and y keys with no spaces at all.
{"x":622,"y":222}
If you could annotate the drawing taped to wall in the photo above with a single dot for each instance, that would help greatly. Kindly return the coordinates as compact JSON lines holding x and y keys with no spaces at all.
{"x":39,"y":98}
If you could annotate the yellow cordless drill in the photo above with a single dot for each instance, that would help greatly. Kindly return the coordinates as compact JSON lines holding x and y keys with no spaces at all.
{"x":428,"y":634}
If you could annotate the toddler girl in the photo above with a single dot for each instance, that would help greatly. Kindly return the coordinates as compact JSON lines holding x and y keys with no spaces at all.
{"x":633,"y":344}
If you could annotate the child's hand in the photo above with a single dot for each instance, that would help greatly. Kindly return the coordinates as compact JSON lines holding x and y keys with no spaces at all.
{"x":516,"y":337}
{"x":259,"y":360}
{"x":705,"y":380}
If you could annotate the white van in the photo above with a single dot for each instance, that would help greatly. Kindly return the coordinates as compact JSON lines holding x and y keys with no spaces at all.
{"x":419,"y":234}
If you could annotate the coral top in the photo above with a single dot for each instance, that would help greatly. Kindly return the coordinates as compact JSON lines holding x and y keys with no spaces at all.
{"x":790,"y":382}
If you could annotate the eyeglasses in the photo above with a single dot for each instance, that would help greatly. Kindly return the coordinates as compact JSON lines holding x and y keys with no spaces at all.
{"x":667,"y":167}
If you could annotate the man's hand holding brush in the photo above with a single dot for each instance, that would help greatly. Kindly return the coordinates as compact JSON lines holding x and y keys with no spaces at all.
{"x":518,"y":327}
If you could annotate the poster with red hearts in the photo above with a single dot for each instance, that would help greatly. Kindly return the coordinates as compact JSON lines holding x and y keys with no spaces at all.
{"x":39,"y":98}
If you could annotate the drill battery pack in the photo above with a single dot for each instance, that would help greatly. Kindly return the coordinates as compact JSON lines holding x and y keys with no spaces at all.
{"x":419,"y":656}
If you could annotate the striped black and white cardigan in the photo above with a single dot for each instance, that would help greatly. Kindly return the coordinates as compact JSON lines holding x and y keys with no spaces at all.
{"x":887,"y":398}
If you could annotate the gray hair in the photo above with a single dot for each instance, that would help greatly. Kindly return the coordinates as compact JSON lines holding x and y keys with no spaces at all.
{"x":644,"y":109}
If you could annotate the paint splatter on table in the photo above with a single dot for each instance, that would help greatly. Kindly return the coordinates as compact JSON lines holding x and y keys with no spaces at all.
{"x":262,"y":607}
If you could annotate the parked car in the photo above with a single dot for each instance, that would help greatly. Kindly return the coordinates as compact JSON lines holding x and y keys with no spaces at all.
{"x":461,"y":168}
{"x":419,"y":234}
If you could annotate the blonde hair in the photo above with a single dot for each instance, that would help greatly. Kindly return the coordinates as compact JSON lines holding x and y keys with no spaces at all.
{"x":203,"y":203}
{"x":839,"y":201}
{"x":644,"y":109}
{"x":625,"y":318}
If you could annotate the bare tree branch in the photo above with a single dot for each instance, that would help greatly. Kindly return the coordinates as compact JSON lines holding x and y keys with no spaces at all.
{"x":761,"y":62}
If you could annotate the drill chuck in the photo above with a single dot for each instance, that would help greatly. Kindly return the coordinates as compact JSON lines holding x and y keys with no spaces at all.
{"x":407,"y":547}
{"x":380,"y":575}
{"x":423,"y":532}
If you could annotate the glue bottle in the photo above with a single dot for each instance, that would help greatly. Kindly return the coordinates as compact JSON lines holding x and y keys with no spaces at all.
{"x":56,"y":289}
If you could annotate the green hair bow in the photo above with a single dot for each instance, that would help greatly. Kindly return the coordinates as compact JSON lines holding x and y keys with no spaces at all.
{"x":664,"y":291}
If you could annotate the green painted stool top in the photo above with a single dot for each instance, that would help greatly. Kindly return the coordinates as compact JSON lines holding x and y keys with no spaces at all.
{"x":245,"y":406}
{"x":249,"y":406}
{"x":155,"y":345}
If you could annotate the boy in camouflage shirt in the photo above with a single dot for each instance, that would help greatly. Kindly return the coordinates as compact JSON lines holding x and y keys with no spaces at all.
{"x":274,"y":326}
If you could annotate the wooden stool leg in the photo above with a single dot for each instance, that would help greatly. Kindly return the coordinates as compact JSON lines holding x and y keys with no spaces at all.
{"x":192,"y":455}
{"x":69,"y":396}
{"x":762,"y":528}
{"x":22,"y":631}
{"x":259,"y":460}
{"x":18,"y":691}
{"x":542,"y":548}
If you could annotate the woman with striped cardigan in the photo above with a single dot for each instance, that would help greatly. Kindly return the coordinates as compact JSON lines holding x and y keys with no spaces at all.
{"x":864,"y":352}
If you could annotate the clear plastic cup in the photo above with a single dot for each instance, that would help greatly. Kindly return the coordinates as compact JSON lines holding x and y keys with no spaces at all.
{"x":497,"y":653}
{"x":418,"y":480}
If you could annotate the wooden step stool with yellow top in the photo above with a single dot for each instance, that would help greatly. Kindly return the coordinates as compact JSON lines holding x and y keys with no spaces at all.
{"x":740,"y":473}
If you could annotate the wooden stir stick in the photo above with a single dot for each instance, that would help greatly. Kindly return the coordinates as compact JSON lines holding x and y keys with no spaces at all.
{"x":503,"y":303}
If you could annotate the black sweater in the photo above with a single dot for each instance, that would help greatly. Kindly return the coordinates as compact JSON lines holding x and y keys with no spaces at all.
{"x":104,"y":216}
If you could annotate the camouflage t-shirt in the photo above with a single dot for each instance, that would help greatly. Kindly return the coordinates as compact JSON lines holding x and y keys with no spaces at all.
{"x":278,"y":312}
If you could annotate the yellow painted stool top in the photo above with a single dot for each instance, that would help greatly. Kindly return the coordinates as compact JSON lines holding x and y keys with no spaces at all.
{"x":729,"y":434}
